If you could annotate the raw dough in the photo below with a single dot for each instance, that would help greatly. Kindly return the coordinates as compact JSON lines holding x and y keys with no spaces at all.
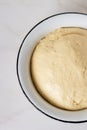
{"x":59,"y":68}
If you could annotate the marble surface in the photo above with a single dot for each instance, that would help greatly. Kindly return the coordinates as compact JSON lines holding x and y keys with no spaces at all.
{"x":16,"y":19}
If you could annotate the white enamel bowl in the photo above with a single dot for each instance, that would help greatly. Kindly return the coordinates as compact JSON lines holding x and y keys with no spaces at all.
{"x":47,"y":25}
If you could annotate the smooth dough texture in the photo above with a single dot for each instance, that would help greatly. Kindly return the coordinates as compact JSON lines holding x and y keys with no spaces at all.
{"x":59,"y":68}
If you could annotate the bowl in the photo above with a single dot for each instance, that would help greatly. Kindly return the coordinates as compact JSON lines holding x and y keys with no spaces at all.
{"x":68,"y":19}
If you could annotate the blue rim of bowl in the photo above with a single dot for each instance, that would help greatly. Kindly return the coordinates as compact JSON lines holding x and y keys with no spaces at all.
{"x":18,"y":55}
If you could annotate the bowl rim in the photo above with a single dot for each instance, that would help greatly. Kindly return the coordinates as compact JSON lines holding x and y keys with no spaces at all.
{"x":17,"y":70}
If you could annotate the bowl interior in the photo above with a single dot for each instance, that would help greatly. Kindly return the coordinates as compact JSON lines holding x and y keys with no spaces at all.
{"x":23,"y":66}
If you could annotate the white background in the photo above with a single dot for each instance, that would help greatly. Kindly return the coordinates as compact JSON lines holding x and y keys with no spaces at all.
{"x":17,"y":17}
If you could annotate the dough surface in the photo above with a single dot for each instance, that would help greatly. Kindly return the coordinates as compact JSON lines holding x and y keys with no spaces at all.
{"x":59,"y":68}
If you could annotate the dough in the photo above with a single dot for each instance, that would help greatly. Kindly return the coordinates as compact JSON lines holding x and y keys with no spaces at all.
{"x":59,"y":68}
